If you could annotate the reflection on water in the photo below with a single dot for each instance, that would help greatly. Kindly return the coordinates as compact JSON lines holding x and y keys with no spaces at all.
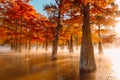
{"x":16,"y":66}
{"x":87,"y":76}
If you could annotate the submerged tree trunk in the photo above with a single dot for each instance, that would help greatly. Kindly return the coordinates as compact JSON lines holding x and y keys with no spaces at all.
{"x":71,"y":44}
{"x":87,"y":60}
{"x":100,"y":50}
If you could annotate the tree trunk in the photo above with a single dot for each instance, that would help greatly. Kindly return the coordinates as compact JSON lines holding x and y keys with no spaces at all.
{"x":71,"y":44}
{"x":29,"y":45}
{"x":16,"y":39}
{"x":46,"y":45}
{"x":55,"y":43}
{"x":68,"y":44}
{"x":12,"y":45}
{"x":46,"y":42}
{"x":20,"y":37}
{"x":37,"y":44}
{"x":76,"y":42}
{"x":100,"y":50}
{"x":87,"y":60}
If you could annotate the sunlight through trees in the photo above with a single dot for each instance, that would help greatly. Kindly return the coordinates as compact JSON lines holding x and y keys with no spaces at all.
{"x":69,"y":25}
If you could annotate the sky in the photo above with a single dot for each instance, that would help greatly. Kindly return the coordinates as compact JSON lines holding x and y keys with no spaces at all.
{"x":38,"y":5}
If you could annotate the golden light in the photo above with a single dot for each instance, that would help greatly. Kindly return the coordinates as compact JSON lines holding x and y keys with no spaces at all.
{"x":114,"y":55}
{"x":117,"y":28}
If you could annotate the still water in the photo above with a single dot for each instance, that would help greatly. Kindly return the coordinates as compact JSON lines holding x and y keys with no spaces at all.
{"x":25,"y":66}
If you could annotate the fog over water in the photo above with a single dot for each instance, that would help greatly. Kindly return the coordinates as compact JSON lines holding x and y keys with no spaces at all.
{"x":37,"y":65}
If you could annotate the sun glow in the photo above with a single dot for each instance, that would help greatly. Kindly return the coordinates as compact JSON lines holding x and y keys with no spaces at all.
{"x":114,"y":55}
{"x":117,"y":28}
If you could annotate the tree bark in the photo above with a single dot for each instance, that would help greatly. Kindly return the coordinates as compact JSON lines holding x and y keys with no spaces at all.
{"x":71,"y":44}
{"x":100,"y":50}
{"x":29,"y":45}
{"x":46,"y":42}
{"x":55,"y":43}
{"x":37,"y":44}
{"x":76,"y":42}
{"x":87,"y":60}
